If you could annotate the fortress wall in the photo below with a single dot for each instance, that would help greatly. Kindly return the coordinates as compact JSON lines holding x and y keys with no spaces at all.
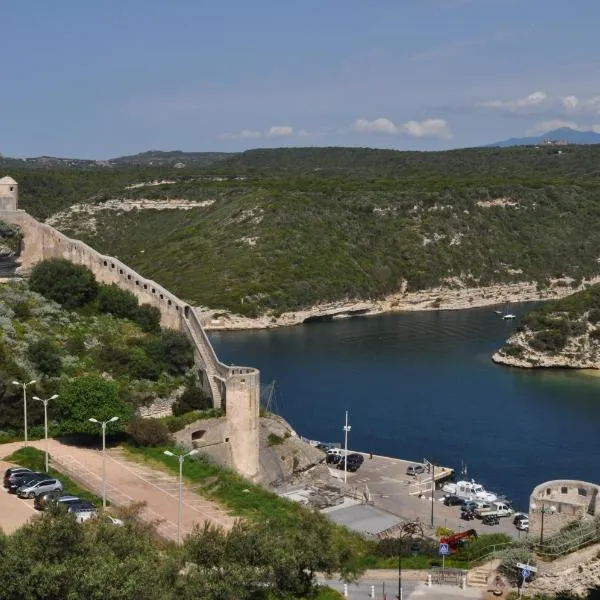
{"x":235,"y":388}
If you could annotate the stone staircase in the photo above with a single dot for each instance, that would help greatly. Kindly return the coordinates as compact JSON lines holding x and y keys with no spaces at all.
{"x":480,"y":576}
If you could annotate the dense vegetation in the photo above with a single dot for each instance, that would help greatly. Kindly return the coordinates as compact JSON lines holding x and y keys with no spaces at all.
{"x":97,"y":355}
{"x":556,"y":324}
{"x":292,"y":227}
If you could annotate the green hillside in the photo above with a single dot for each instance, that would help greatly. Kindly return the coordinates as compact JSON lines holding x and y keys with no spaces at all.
{"x":292,"y":227}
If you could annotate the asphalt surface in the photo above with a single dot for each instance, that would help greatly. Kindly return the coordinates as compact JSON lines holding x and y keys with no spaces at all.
{"x":411,"y":590}
{"x":14,"y":512}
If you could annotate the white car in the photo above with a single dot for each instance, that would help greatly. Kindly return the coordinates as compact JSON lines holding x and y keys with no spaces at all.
{"x":523,"y":524}
{"x":42,"y":486}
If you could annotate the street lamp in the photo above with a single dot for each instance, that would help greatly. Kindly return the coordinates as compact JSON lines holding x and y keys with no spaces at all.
{"x":45,"y":402}
{"x":543,"y":510}
{"x":408,"y":530}
{"x":347,"y":428}
{"x":103,"y":424}
{"x":24,"y":386}
{"x":181,"y":458}
{"x":432,"y":491}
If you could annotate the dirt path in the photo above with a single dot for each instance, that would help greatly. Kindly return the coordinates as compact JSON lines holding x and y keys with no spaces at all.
{"x":128,"y":481}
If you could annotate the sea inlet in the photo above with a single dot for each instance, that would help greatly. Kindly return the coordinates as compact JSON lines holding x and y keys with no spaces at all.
{"x":422,"y":385}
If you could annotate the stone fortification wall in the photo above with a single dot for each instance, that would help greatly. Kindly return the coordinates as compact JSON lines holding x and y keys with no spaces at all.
{"x":236,"y":389}
{"x":560,"y":502}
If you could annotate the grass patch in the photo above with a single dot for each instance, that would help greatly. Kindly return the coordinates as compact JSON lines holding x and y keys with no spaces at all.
{"x":34,"y":459}
{"x":227,"y":488}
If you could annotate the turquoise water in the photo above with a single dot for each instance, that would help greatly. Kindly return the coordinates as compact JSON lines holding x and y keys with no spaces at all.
{"x":423,"y":385}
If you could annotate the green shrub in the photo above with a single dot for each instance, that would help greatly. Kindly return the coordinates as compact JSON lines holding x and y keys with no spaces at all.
{"x":45,"y":356}
{"x":118,"y":302}
{"x":275,"y":440}
{"x":148,"y":432}
{"x":69,"y":284}
{"x":594,"y":315}
{"x":148,"y":318}
{"x":192,"y":398}
{"x":173,"y":350}
{"x":22,"y":311}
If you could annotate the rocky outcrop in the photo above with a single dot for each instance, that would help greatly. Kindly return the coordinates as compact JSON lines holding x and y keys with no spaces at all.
{"x":577,"y":572}
{"x":453,"y":296}
{"x":581,"y":352}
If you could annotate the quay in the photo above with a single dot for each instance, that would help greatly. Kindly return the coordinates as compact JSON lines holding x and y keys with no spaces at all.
{"x":380,"y":495}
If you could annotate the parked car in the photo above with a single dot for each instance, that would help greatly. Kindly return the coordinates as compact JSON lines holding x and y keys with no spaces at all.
{"x":518,"y":516}
{"x":83,"y":510}
{"x":19,"y":479}
{"x":453,"y":501}
{"x":13,"y":471}
{"x":359,"y":458}
{"x":333,"y":459}
{"x":415,"y":469}
{"x":523,"y":524}
{"x":349,"y":464}
{"x":335,"y":451}
{"x":41,"y":501}
{"x":33,"y":488}
{"x":491,"y":520}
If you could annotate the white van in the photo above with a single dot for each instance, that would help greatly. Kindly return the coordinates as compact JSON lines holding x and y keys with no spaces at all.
{"x":496,"y":509}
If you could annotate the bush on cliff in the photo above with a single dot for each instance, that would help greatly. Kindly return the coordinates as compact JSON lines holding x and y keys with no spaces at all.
{"x":69,"y":284}
{"x":174,"y":350}
{"x":124,"y":304}
{"x":192,"y":398}
{"x":45,"y":356}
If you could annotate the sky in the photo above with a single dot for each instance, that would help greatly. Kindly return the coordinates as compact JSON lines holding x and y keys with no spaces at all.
{"x":104,"y":79}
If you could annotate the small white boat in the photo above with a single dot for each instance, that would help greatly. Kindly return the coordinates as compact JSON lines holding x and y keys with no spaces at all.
{"x":509,"y":316}
{"x":498,"y":312}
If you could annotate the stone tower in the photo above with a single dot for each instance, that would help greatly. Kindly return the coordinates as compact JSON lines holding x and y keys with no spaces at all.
{"x":9,"y":194}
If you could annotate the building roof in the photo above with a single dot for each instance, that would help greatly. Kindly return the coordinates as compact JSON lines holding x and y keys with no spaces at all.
{"x":7,"y":181}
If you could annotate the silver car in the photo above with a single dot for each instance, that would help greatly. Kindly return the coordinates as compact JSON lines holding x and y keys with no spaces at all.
{"x":33,"y":488}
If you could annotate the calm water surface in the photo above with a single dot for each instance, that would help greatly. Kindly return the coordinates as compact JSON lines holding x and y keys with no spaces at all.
{"x":423,"y":385}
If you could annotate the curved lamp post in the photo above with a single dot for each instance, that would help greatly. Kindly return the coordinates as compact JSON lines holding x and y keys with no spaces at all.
{"x":543,"y":510}
{"x":45,"y":402}
{"x":181,"y":458}
{"x":408,"y":530}
{"x":24,"y":386}
{"x":103,"y":424}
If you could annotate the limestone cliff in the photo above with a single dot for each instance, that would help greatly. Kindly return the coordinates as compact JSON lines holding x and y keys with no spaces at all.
{"x":561,"y":334}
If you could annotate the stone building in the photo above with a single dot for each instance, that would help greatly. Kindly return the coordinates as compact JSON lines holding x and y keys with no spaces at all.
{"x":9,"y":193}
{"x":559,"y":502}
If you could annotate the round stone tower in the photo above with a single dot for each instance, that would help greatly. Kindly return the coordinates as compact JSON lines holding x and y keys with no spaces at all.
{"x":9,"y":194}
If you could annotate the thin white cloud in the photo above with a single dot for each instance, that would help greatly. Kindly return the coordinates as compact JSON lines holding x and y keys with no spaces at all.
{"x":429,"y":128}
{"x":535,"y":99}
{"x":272,"y":132}
{"x":552,"y":124}
{"x":570,"y":103}
{"x":589,"y":106}
{"x":280,"y":131}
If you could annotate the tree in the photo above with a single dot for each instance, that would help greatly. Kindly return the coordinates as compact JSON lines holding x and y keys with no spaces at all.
{"x":148,"y":432}
{"x":192,"y":398}
{"x":90,"y":396}
{"x":174,"y":350}
{"x":68,"y":284}
{"x":121,"y":303}
{"x":148,"y":318}
{"x":46,"y":357}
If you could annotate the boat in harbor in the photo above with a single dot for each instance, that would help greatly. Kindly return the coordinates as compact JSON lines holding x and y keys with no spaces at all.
{"x":469,"y":490}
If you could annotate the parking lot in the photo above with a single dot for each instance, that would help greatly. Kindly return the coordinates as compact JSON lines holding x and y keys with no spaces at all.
{"x":14,"y":512}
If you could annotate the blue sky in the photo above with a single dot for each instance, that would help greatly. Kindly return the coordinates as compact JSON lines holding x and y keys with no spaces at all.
{"x":102,"y":79}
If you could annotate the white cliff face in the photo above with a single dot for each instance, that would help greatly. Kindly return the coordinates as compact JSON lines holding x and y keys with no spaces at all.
{"x":580,"y":352}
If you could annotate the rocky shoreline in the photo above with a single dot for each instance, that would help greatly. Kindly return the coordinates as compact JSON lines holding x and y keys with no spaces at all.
{"x":454,"y":297}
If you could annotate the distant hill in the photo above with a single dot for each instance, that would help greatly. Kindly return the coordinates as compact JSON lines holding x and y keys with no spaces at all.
{"x":563,"y":133}
{"x":158,"y":158}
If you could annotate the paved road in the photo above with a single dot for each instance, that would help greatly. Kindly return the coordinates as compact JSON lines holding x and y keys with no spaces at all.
{"x":411,"y":590}
{"x":388,"y":486}
{"x":14,"y":512}
{"x":128,"y":481}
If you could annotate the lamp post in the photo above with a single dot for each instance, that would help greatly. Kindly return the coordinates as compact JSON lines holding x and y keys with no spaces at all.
{"x":347,"y":428}
{"x":543,"y":510}
{"x":181,"y":458}
{"x":103,"y":424}
{"x":45,"y":403}
{"x":409,"y":529}
{"x":24,"y":386}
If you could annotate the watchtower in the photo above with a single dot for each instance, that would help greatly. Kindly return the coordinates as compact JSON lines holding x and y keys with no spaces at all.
{"x":9,"y":194}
